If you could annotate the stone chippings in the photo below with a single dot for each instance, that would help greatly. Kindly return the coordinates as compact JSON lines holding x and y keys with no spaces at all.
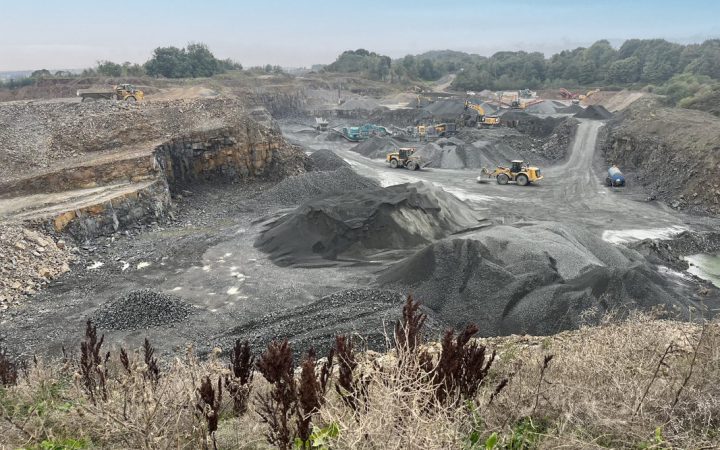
{"x":28,"y":261}
{"x":142,"y":309}
{"x":326,"y":160}
{"x":300,"y":188}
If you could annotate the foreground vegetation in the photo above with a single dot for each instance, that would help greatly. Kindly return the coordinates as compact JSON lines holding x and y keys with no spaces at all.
{"x":637,"y":384}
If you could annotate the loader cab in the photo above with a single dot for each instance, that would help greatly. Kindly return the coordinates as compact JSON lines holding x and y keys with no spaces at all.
{"x":405,"y":153}
{"x":517,"y":166}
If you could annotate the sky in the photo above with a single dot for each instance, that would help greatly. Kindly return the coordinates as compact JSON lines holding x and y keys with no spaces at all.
{"x":75,"y":34}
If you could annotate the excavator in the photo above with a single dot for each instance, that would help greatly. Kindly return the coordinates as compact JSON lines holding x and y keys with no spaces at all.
{"x":483,"y":120}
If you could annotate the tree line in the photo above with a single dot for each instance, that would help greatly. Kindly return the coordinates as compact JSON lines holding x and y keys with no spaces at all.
{"x":192,"y":61}
{"x":645,"y":61}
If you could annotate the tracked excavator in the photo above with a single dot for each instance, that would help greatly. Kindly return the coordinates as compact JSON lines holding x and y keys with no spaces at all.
{"x":483,"y":119}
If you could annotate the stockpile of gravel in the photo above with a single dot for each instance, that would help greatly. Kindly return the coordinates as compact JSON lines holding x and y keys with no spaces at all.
{"x":597,"y":112}
{"x":377,"y":147}
{"x":353,"y":311}
{"x":445,"y":108}
{"x":141,"y":309}
{"x":358,"y":223}
{"x":536,"y":279}
{"x":310,"y":185}
{"x":544,"y":107}
{"x":327,"y":160}
{"x":572,"y":109}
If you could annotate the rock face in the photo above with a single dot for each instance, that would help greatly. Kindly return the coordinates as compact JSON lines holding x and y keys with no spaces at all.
{"x":104,"y":192}
{"x":228,"y":154}
{"x":671,"y":152}
{"x":355,"y":224}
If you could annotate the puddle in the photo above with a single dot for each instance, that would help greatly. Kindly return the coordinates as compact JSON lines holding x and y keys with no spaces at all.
{"x":705,"y":266}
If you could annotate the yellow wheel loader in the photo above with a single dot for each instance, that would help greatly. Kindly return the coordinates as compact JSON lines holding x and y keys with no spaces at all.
{"x":404,"y":157}
{"x":519,"y":171}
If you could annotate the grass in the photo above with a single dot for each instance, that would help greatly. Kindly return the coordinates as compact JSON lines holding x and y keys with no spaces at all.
{"x":637,"y":384}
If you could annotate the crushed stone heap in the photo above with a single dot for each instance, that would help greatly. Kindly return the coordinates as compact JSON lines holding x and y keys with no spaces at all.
{"x":536,"y":278}
{"x":358,"y":223}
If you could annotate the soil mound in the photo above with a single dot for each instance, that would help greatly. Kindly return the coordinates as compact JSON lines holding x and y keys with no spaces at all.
{"x":356,"y":224}
{"x":141,"y":309}
{"x":300,"y":188}
{"x":536,"y":279}
{"x":326,"y":160}
{"x":597,"y":112}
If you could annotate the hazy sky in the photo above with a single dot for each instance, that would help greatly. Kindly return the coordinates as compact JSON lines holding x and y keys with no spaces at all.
{"x":71,"y":34}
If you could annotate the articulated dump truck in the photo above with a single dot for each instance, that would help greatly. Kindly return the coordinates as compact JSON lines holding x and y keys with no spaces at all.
{"x":124,"y":92}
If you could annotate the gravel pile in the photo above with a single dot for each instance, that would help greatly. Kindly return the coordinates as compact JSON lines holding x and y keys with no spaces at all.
{"x":544,"y":107}
{"x":141,"y":309}
{"x":445,"y":109}
{"x":28,"y":261}
{"x":311,"y":185}
{"x":535,"y":279}
{"x":572,"y":109}
{"x":327,"y":160}
{"x":357,"y":223}
{"x":597,"y":112}
{"x":360,"y":103}
{"x":377,"y":147}
{"x":366,"y":312}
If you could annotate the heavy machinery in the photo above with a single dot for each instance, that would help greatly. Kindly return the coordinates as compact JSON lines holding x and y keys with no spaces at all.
{"x":404,"y":157}
{"x":483,"y":119}
{"x":519,"y":171}
{"x":445,"y":129}
{"x":614,"y":178}
{"x":356,"y":134}
{"x":125,"y":92}
{"x":321,"y":124}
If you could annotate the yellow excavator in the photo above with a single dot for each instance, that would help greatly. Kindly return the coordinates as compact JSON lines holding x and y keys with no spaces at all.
{"x":483,"y":120}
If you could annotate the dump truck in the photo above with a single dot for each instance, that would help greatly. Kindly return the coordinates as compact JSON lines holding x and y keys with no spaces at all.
{"x":404,"y":157}
{"x":519,"y":171}
{"x":614,"y":178}
{"x":125,"y":92}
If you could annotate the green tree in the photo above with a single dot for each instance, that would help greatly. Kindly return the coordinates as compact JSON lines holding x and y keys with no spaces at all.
{"x":109,"y":69}
{"x":624,"y":71}
{"x":42,"y":73}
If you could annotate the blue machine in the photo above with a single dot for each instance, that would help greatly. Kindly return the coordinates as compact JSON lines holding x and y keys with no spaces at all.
{"x":614,"y":177}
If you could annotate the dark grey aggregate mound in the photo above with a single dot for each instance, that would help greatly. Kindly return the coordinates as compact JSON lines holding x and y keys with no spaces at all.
{"x":140,"y":309}
{"x":597,"y":112}
{"x":364,"y":312}
{"x":299,"y":188}
{"x":327,"y":160}
{"x":536,"y":279}
{"x":361,"y":222}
